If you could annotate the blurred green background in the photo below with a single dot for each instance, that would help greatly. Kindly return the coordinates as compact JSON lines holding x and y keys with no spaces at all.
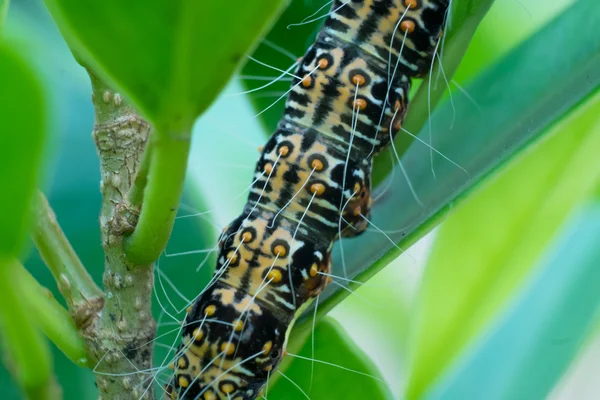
{"x":223,"y":154}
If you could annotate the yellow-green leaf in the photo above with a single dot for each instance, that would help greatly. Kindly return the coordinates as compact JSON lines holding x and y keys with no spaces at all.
{"x":490,"y":244}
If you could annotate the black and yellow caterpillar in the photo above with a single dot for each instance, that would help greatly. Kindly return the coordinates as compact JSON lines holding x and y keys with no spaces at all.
{"x":312,"y":186}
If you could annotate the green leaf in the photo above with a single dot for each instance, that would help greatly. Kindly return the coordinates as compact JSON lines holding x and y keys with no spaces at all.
{"x":350,"y":364}
{"x":464,"y":18}
{"x":487,"y":248}
{"x":170,"y":58}
{"x":3,"y":11}
{"x":22,"y":131}
{"x":516,"y":99}
{"x":294,"y":39}
{"x":529,"y":349}
{"x":27,"y":350}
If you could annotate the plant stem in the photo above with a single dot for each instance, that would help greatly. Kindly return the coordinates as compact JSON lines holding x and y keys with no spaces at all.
{"x":121,"y":337}
{"x":84,"y":298}
{"x":51,"y":317}
{"x":136,"y":192}
{"x":161,"y":198}
{"x":30,"y":358}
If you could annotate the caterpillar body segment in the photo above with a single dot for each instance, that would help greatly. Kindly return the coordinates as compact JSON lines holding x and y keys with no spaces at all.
{"x":312,"y":185}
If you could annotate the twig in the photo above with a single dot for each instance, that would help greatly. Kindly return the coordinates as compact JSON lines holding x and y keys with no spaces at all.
{"x":51,"y":317}
{"x":84,"y":298}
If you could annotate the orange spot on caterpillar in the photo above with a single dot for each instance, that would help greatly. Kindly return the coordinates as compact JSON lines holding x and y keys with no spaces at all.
{"x":182,"y":363}
{"x":323,"y":63}
{"x":314,"y":269}
{"x":267,"y":347}
{"x":247,"y":237}
{"x":228,"y":348}
{"x":407,"y":26}
{"x":361,"y":104}
{"x":209,"y":311}
{"x":197,"y":335}
{"x":317,"y":164}
{"x":280,"y":250}
{"x":284,"y":151}
{"x":183,"y":382}
{"x":268,"y":168}
{"x":227,"y":388}
{"x":411,"y":3}
{"x":210,"y":395}
{"x":232,"y":257}
{"x":317,"y":188}
{"x":238,"y":325}
{"x":306,"y":81}
{"x":274,"y":275}
{"x":358,"y":79}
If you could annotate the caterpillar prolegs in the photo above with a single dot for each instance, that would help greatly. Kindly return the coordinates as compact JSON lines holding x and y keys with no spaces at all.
{"x":312,"y":186}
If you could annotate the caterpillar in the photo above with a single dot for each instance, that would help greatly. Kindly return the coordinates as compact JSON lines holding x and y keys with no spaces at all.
{"x":312,"y":186}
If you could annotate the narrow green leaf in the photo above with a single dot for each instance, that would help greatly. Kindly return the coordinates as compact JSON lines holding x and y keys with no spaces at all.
{"x":529,"y":348}
{"x":490,"y":244}
{"x":170,"y":58}
{"x":516,"y":99}
{"x":22,"y":130}
{"x":339,"y":361}
{"x":29,"y":354}
{"x":287,"y":40}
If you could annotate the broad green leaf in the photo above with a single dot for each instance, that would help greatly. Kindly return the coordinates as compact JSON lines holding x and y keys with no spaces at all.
{"x":22,"y":131}
{"x":530,"y":347}
{"x":287,"y":40}
{"x":463,"y":19}
{"x":170,"y":58}
{"x":487,"y":248}
{"x":510,"y":106}
{"x":339,"y":362}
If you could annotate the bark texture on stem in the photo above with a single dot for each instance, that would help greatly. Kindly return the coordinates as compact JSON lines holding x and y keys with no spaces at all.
{"x":121,"y":336}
